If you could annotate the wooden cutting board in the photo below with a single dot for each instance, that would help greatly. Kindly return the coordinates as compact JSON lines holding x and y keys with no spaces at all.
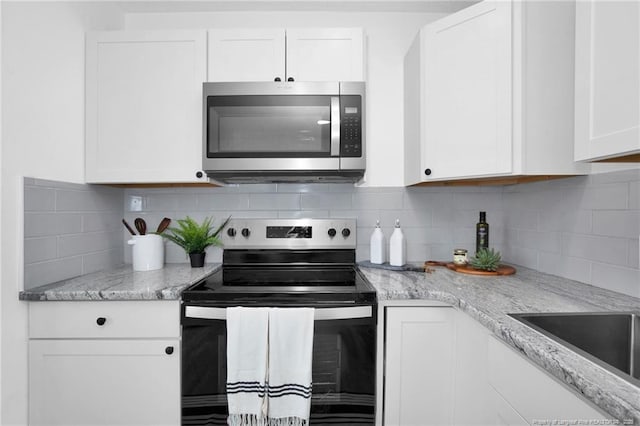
{"x":466,"y":269}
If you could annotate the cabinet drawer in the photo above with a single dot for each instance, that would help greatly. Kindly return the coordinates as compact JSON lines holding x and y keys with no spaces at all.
{"x":104,"y":319}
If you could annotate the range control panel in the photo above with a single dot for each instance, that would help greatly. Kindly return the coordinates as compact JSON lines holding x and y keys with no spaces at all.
{"x":290,"y":233}
{"x":350,"y":126}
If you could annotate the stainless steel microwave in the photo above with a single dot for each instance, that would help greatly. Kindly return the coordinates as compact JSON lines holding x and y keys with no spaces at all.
{"x":284,"y":131}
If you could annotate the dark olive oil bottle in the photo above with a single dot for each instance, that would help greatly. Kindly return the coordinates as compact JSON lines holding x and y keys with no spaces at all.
{"x":482,"y":232}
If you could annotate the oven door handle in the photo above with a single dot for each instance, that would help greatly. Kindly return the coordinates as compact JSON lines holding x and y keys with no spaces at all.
{"x":320,"y":314}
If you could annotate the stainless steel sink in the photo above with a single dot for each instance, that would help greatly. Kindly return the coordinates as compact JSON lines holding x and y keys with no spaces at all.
{"x":611,"y":339}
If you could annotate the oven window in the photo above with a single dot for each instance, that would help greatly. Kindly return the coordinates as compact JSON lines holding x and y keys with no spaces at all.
{"x":269,"y":126}
{"x":343,"y":372}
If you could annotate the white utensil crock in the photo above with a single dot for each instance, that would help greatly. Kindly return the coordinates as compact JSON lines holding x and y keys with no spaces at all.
{"x":147,"y":252}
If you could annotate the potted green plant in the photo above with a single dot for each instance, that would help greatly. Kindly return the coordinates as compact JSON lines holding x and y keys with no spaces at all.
{"x":195,"y":237}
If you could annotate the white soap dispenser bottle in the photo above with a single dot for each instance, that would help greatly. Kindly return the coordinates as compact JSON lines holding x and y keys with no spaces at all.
{"x":397,"y":247}
{"x":378,"y":246}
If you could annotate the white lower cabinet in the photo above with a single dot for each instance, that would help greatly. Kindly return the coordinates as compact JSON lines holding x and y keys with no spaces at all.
{"x":90,"y":364}
{"x":533,"y":394}
{"x":419,"y":366}
{"x":441,"y":367}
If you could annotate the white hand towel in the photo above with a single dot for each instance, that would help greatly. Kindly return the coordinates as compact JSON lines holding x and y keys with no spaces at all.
{"x":290,"y":356}
{"x":247,"y":343}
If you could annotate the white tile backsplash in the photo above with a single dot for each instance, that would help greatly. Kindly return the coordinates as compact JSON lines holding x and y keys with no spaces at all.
{"x":584,"y":228}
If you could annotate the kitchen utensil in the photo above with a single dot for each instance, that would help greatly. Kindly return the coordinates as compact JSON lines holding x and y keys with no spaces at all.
{"x":164,"y":224}
{"x":147,"y":252}
{"x":141,"y":225}
{"x":126,"y":225}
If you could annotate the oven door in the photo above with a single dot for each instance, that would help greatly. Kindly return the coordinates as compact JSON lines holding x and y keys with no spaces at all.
{"x":343,"y":369}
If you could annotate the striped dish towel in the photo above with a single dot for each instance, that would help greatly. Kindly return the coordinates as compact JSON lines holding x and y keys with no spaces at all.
{"x":247,"y":345}
{"x":269,"y":354}
{"x":290,"y":356}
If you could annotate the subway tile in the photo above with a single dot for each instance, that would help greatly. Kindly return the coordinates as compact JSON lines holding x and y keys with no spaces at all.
{"x":557,"y":217}
{"x":99,"y":261}
{"x":43,"y":224}
{"x":101,"y":221}
{"x":435,"y":236}
{"x":364,"y":218}
{"x":72,"y":245}
{"x":39,"y":199}
{"x":222,"y":202}
{"x":274,"y":201}
{"x":616,"y":223}
{"x":408,"y":218}
{"x":248,"y":214}
{"x":377,"y":200}
{"x":342,"y":187}
{"x":37,"y":274}
{"x":82,"y":201}
{"x":596,"y":248}
{"x":522,"y":256}
{"x":170,"y":202}
{"x":303,"y":214}
{"x":605,"y":197}
{"x":324,"y":200}
{"x":477,"y":201}
{"x":634,"y":195}
{"x":418,"y":253}
{"x":550,"y":242}
{"x":569,"y":267}
{"x":40,"y":249}
{"x":616,"y":278}
{"x":441,"y":252}
{"x":521,"y":219}
{"x":257,"y":188}
{"x":618,"y":176}
{"x":427,"y":201}
{"x":634,"y":248}
{"x":303,"y":187}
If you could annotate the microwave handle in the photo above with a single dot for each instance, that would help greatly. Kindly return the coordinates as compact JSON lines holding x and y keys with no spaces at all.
{"x":335,"y":126}
{"x":320,"y":314}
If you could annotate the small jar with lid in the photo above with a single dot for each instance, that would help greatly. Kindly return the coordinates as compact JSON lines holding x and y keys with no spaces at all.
{"x":460,"y":257}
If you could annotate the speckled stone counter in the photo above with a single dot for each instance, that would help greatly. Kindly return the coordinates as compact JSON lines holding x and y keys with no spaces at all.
{"x":489,"y":300}
{"x":123,"y":283}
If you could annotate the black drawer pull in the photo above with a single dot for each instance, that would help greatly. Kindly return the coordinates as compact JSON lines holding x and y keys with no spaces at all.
{"x":101,"y":320}
{"x":168,"y":350}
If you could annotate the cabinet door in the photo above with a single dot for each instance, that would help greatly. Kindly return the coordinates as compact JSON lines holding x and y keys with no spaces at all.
{"x":104,"y":382}
{"x":144,"y":106}
{"x":418,"y":388}
{"x":531,"y":392}
{"x":467,"y":93}
{"x":326,"y":54}
{"x":607,"y":109}
{"x":246,"y":54}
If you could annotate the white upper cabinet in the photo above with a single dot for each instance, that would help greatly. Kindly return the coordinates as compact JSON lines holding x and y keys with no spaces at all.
{"x":488,"y":95}
{"x":325,"y":54}
{"x":144,"y":106}
{"x":322,"y":54}
{"x":246,"y":55}
{"x":607,"y":101}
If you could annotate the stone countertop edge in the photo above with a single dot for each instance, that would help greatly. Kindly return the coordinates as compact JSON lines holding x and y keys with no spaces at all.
{"x":489,"y":300}
{"x":123,"y":283}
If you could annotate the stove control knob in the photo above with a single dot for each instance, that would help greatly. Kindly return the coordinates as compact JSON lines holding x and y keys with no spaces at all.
{"x":245,"y":232}
{"x":331,"y":232}
{"x":231,"y":232}
{"x":346,"y":232}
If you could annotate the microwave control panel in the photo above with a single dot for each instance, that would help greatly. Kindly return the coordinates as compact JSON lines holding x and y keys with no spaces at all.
{"x":350,"y":126}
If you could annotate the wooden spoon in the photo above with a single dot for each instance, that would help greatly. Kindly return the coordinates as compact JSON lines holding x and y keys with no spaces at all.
{"x":141,"y":225}
{"x":164,"y":224}
{"x":126,"y":225}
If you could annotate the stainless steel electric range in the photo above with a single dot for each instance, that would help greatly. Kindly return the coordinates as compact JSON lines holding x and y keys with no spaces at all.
{"x":286,"y":263}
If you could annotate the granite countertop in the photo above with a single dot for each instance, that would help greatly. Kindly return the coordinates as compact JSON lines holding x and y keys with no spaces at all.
{"x":486,"y":299}
{"x":123,"y":283}
{"x":489,"y":300}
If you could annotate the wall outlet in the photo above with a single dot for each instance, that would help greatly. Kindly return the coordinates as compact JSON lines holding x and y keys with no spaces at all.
{"x":135,"y":203}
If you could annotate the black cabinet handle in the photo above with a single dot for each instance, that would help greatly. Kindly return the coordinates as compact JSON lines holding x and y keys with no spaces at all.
{"x":101,"y":320}
{"x":199,"y":174}
{"x":427,"y":172}
{"x":277,"y":79}
{"x":168,"y":350}
{"x":290,"y":79}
